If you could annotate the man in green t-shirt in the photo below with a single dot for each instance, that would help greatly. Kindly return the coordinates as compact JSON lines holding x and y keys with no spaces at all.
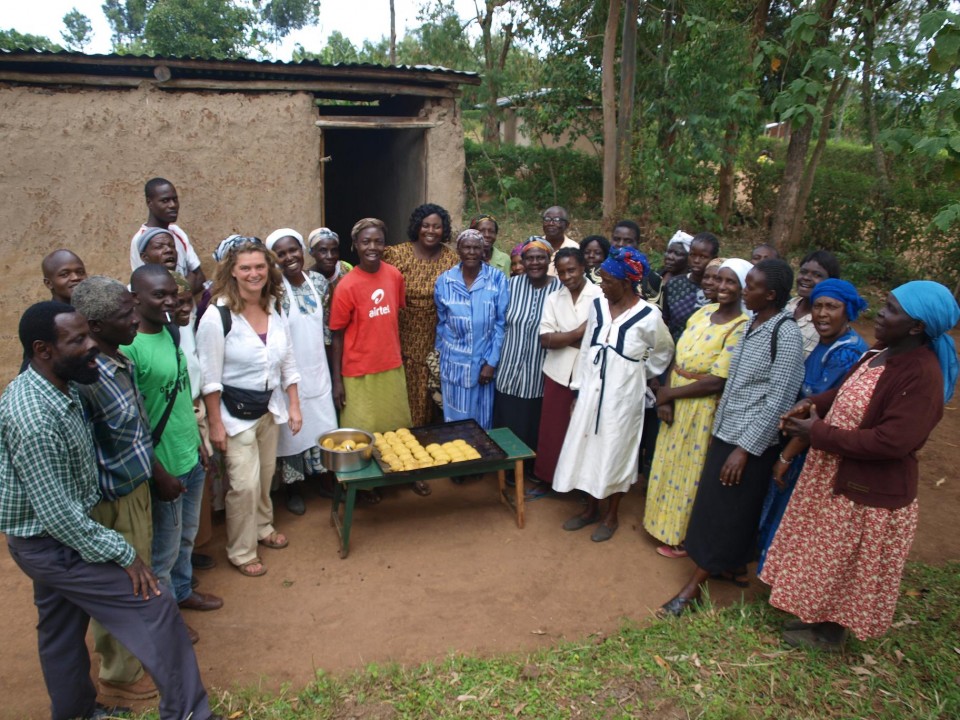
{"x":178,"y":472}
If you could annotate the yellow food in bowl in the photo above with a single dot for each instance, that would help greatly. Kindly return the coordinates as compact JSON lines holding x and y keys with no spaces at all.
{"x":328,"y":444}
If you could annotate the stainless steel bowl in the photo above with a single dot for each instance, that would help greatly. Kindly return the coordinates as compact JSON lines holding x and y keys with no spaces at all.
{"x":346,"y":461}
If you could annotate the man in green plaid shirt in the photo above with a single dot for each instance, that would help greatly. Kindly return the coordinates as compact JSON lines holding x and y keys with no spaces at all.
{"x":79,"y":568}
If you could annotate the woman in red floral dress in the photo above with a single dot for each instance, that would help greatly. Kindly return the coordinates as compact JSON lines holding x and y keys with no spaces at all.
{"x":837,"y":558}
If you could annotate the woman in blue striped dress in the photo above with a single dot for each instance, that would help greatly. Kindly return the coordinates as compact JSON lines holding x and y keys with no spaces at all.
{"x":471,"y":300}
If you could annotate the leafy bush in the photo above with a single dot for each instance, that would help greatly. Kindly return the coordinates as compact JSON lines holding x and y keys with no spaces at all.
{"x":530,"y":179}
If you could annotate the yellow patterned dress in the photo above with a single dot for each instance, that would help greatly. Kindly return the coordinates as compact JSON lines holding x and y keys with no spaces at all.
{"x":418,"y":320}
{"x":703,"y":349}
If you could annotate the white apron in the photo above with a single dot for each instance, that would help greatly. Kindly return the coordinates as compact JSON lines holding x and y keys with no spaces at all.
{"x":314,"y":388}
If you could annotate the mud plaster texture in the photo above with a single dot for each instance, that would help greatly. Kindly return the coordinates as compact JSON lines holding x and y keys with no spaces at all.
{"x":75,"y":160}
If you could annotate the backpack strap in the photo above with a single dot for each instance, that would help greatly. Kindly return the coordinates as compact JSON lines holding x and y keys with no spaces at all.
{"x":225,"y":318}
{"x":157,"y":433}
{"x":775,"y":335}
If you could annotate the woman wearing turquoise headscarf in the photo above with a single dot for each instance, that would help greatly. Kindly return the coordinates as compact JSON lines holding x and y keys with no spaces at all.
{"x":837,"y":558}
{"x":834,"y":305}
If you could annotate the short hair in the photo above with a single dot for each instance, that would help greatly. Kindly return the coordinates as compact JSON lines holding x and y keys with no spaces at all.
{"x":631,"y":226}
{"x":424,"y":211}
{"x":768,"y":246}
{"x":39,"y":322}
{"x":599,"y":239}
{"x":825,"y":259}
{"x":710,"y":239}
{"x":365,"y":223}
{"x":778,"y":276}
{"x":98,"y":297}
{"x":147,"y":271}
{"x":150,"y":187}
{"x":46,"y":265}
{"x":569,"y":252}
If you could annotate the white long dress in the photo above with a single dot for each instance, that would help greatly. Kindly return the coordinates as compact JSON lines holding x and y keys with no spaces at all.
{"x":599,"y":454}
{"x":315,"y":389}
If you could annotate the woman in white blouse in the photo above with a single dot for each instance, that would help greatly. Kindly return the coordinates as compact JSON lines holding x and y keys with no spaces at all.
{"x":561,"y":331}
{"x":247,"y":364}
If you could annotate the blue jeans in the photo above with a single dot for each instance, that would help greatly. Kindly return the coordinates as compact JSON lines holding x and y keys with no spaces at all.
{"x":175,"y":525}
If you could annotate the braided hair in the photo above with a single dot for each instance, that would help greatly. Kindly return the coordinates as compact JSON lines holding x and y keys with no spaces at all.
{"x":778,"y":276}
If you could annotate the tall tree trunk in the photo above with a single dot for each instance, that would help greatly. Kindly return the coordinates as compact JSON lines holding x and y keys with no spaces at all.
{"x":491,"y":127}
{"x":788,"y":198}
{"x":883,"y":195}
{"x":628,"y":83}
{"x":726,"y":178}
{"x":393,"y":33}
{"x":609,"y":92}
{"x":837,"y":88}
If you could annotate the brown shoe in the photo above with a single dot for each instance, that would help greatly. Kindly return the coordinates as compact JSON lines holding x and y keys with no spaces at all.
{"x":192,"y":634}
{"x":142,"y":689}
{"x":201,"y":601}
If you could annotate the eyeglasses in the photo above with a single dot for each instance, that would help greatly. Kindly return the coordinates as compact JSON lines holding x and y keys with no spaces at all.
{"x":553,"y":220}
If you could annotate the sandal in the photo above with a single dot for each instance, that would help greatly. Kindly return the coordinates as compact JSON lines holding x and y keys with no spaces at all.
{"x":421,"y":488}
{"x":676,"y":607}
{"x":369,"y":497}
{"x":669,"y":551}
{"x":245,"y":569}
{"x":275,"y":541}
{"x":737,"y":578}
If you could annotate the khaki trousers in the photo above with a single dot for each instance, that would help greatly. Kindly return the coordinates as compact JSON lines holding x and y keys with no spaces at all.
{"x":130,"y":516}
{"x":251,"y":459}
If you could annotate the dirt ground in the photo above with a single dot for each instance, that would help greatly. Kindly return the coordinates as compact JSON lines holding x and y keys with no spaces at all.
{"x":427,"y":577}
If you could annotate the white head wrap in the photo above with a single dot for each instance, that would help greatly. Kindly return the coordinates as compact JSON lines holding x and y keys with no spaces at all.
{"x":685,"y":239}
{"x":740,"y":268}
{"x":276,"y":235}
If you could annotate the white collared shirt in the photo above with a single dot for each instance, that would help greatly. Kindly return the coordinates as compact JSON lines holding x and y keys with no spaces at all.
{"x":561,"y":314}
{"x":243,"y":360}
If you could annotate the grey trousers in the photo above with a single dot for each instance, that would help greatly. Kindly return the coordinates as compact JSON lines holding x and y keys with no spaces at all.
{"x":68,"y":592}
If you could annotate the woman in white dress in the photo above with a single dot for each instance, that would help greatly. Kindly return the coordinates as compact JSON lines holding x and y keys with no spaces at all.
{"x":625,"y":343}
{"x":302,"y":306}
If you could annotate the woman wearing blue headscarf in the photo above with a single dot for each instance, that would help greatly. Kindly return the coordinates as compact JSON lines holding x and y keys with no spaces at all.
{"x":625,"y":343}
{"x":837,"y":559}
{"x":834,"y":305}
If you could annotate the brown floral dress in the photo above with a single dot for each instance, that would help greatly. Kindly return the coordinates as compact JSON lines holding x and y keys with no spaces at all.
{"x":833,"y":560}
{"x":418,"y":320}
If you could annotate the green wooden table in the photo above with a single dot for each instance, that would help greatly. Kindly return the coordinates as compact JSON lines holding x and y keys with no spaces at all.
{"x":345,"y":491}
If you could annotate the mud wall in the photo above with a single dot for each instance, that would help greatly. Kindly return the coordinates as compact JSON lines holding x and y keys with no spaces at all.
{"x":75,"y":161}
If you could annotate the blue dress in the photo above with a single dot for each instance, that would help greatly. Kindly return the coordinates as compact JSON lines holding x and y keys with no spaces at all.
{"x":470,"y":323}
{"x":824,"y":368}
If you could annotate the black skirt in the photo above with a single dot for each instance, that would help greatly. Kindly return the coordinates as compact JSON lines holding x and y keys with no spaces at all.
{"x":521,"y":415}
{"x":722,"y":535}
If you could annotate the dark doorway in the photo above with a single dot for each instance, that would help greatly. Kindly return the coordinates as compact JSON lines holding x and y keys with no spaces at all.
{"x":372,"y":173}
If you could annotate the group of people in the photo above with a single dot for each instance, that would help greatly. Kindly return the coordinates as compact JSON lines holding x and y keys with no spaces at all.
{"x":690,"y":377}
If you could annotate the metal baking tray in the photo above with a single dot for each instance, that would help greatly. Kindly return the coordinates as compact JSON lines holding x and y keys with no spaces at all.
{"x":467,"y":430}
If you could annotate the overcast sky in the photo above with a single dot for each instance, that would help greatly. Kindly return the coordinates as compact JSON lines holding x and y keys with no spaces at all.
{"x":359,"y":20}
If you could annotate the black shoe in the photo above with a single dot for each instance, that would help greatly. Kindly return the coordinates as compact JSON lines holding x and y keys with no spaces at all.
{"x":578,"y":522}
{"x":676,"y":607}
{"x":199,"y":561}
{"x":295,"y":503}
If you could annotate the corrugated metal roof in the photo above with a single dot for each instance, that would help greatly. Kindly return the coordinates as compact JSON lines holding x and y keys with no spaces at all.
{"x":73,"y":63}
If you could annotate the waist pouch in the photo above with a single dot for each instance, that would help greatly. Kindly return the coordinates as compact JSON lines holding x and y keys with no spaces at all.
{"x":245,"y":404}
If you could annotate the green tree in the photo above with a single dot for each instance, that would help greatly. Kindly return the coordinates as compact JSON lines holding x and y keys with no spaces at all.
{"x":13,"y":40}
{"x":127,"y":18}
{"x":201,"y":28}
{"x":77,"y":30}
{"x":283,"y":16}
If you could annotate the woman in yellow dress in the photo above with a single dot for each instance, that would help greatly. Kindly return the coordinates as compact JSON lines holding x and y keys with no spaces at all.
{"x":686,"y":405}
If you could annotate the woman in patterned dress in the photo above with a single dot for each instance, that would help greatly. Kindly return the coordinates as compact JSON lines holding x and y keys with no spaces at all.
{"x":686,"y":404}
{"x":838,"y":555}
{"x":302,"y":306}
{"x":324,"y":246}
{"x":421,"y":261}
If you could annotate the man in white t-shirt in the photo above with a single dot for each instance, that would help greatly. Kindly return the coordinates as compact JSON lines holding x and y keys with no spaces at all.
{"x":163,"y":206}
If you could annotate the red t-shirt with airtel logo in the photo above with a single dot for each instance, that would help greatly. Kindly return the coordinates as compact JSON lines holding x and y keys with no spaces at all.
{"x":366,"y":306}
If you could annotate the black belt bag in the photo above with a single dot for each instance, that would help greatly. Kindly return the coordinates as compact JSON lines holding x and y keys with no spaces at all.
{"x":245,"y":404}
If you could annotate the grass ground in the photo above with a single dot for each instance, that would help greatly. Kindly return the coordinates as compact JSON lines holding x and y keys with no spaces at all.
{"x":719,"y":663}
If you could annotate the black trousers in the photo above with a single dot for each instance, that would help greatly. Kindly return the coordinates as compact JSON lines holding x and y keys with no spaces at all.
{"x":69,"y":591}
